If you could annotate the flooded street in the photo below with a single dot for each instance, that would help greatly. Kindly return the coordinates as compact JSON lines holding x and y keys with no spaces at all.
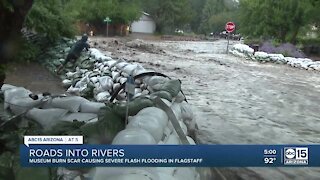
{"x":241,"y":102}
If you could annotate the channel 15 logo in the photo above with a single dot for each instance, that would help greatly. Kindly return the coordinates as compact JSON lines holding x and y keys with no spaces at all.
{"x":296,"y":155}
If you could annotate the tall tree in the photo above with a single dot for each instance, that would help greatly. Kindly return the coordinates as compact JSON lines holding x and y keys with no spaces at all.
{"x":216,"y":13}
{"x":169,"y":14}
{"x":12,"y":17}
{"x":280,"y":19}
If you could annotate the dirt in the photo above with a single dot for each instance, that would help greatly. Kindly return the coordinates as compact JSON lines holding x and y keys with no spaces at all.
{"x":34,"y":77}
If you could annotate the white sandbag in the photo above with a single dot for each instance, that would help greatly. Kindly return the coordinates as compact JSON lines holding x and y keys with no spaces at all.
{"x":122,"y":80}
{"x":114,"y":173}
{"x":94,"y":79}
{"x":83,"y":117}
{"x":102,"y":96}
{"x":106,"y":82}
{"x":123,"y":74}
{"x":73,"y":90}
{"x":138,"y":70}
{"x":71,"y":75}
{"x":137,"y":90}
{"x":155,"y":112}
{"x":20,"y":105}
{"x":186,"y":111}
{"x":177,"y":110}
{"x":150,"y":124}
{"x":185,"y":173}
{"x":116,"y":86}
{"x":261,"y":55}
{"x":183,"y":127}
{"x":168,"y":103}
{"x":134,"y":136}
{"x":91,"y":107}
{"x":71,"y":103}
{"x":166,"y":170}
{"x":18,"y":92}
{"x":145,"y":92}
{"x":164,"y":176}
{"x":7,"y":87}
{"x":66,"y":82}
{"x":173,"y":140}
{"x":115,"y":75}
{"x":179,"y":98}
{"x":191,"y":141}
{"x":121,"y":65}
{"x":154,"y":80}
{"x":46,"y":117}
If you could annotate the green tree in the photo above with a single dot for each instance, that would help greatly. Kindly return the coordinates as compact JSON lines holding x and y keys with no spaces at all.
{"x":216,"y":13}
{"x":50,"y":18}
{"x":279,"y":19}
{"x":169,"y":14}
{"x":12,"y":17}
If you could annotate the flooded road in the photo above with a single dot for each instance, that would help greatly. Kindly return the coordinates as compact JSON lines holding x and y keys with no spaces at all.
{"x":242,"y":102}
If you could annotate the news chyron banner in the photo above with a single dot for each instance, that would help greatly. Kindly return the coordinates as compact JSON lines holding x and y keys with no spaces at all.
{"x":69,"y":151}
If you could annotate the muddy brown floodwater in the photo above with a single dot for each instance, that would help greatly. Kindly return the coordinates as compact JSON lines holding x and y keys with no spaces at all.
{"x":235,"y":101}
{"x":238,"y":101}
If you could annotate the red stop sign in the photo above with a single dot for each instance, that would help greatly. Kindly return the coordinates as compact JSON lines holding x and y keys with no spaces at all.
{"x":230,"y":26}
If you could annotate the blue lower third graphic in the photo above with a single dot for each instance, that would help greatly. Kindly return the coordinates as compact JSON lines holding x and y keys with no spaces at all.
{"x":170,"y":155}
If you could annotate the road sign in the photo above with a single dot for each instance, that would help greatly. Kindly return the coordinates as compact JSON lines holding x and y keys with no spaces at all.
{"x":230,"y":27}
{"x":107,"y":19}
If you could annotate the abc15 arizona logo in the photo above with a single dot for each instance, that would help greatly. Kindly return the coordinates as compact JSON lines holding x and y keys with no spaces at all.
{"x":296,"y":156}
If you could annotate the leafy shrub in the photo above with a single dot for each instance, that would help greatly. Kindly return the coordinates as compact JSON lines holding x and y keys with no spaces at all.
{"x":28,"y":51}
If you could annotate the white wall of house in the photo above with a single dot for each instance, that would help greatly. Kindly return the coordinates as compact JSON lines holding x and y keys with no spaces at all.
{"x":144,"y":25}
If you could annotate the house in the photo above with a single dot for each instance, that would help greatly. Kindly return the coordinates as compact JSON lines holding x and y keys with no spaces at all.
{"x":144,"y":25}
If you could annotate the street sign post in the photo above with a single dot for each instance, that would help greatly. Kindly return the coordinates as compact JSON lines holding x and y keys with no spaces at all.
{"x":230,"y":27}
{"x":107,"y":20}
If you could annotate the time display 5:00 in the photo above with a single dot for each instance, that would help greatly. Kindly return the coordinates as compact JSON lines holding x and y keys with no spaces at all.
{"x":270,"y":152}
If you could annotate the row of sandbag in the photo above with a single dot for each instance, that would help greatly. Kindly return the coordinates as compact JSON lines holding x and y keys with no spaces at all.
{"x":242,"y":50}
{"x":151,"y":125}
{"x":48,"y":110}
{"x":108,"y":75}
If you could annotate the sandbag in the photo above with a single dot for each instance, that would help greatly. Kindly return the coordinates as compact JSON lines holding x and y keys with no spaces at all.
{"x":186,"y":173}
{"x":108,"y":173}
{"x":134,"y":106}
{"x":179,"y":98}
{"x":82,"y":117}
{"x":155,"y":112}
{"x":18,"y":92}
{"x":172,"y":140}
{"x":186,"y":111}
{"x":176,"y":110}
{"x":7,"y":86}
{"x":162,"y":94}
{"x":106,"y":82}
{"x":164,"y":176}
{"x":91,"y":107}
{"x":191,"y":141}
{"x":172,"y":86}
{"x":20,"y":105}
{"x":71,"y":103}
{"x":148,"y":123}
{"x":134,"y":136}
{"x":102,"y":96}
{"x":66,"y":82}
{"x":129,"y":69}
{"x":154,"y":80}
{"x":46,"y":117}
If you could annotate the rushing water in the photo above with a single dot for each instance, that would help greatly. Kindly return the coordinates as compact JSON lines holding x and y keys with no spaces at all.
{"x":244,"y":102}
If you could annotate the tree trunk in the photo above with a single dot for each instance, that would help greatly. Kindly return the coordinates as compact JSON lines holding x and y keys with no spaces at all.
{"x":11,"y":22}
